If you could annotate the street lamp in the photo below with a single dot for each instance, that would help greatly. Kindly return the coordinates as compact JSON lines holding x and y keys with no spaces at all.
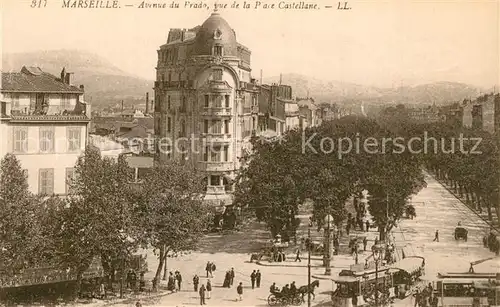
{"x":328,"y":250}
{"x":377,"y":251}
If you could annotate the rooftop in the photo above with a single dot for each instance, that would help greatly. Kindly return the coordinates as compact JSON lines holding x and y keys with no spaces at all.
{"x":33,"y":79}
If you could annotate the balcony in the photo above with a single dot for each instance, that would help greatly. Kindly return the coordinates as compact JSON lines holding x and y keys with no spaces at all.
{"x":51,"y":113}
{"x":219,"y":190}
{"x":207,"y":166}
{"x":218,"y":86}
{"x":174,"y":84}
{"x":217,"y":138}
{"x":216,"y":112}
{"x":248,"y":86}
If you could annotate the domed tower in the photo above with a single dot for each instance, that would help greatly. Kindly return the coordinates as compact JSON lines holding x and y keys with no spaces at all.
{"x":205,"y":102}
{"x":215,"y":33}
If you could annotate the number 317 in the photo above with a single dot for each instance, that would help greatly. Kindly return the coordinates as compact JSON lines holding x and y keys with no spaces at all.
{"x":38,"y":3}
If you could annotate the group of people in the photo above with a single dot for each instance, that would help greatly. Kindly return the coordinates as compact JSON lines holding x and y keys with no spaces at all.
{"x":255,"y":278}
{"x":228,"y":279}
{"x":209,"y":268}
{"x":426,"y":297}
{"x":174,"y":281}
{"x":287,"y":290}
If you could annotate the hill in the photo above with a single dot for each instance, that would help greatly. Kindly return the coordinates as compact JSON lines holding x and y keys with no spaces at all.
{"x":105,"y":84}
{"x":335,"y":91}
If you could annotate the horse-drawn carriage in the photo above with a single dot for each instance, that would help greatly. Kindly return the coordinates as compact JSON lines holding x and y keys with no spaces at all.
{"x":278,"y":298}
{"x":292,"y":298}
{"x":461,"y":233}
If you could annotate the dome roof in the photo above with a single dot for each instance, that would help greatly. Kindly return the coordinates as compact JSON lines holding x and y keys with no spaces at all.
{"x":215,"y":30}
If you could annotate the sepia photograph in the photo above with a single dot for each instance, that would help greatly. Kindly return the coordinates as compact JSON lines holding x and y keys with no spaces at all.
{"x":250,"y":153}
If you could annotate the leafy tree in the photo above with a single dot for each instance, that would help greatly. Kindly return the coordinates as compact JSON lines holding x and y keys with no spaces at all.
{"x":170,"y":210}
{"x":96,"y":221}
{"x":22,"y":235}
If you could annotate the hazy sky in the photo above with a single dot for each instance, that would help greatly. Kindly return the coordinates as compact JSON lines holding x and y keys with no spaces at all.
{"x":383,"y":43}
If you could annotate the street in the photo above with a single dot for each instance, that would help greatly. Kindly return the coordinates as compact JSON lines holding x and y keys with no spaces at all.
{"x":436,"y":209}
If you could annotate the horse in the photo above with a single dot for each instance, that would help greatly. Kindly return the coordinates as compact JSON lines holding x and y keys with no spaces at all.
{"x":305,"y":290}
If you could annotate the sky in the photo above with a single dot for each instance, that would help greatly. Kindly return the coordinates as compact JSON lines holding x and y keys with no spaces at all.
{"x":386,"y":43}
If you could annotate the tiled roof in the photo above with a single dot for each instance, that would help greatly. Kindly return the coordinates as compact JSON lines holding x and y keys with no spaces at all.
{"x":40,"y":82}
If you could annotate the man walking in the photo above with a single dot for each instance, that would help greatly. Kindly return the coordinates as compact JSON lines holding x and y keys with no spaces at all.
{"x":367,"y":225}
{"x":297,"y":255}
{"x":232,"y":277}
{"x":365,"y":242}
{"x":239,"y":289}
{"x":252,"y":278}
{"x":196,"y":282}
{"x":436,"y":236}
{"x":179,"y":280}
{"x":209,"y":289}
{"x":208,"y":268}
{"x":258,"y":276}
{"x":202,"y":295}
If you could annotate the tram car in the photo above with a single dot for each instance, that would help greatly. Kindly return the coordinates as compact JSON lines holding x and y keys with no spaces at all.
{"x":390,"y":281}
{"x":473,"y":291}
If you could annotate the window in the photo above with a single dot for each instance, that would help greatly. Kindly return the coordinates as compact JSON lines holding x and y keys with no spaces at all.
{"x":183,"y":105}
{"x":218,"y":101}
{"x":15,"y":101}
{"x":227,"y":100}
{"x":205,"y":126}
{"x":216,"y":126}
{"x":169,"y":77}
{"x":46,"y":139}
{"x":226,"y":126}
{"x":74,"y":139}
{"x":183,"y":128}
{"x":70,"y":177}
{"x":215,"y":154}
{"x":180,"y":76}
{"x":215,"y":180}
{"x":66,"y":101}
{"x":46,"y":181}
{"x":168,"y":102}
{"x":225,"y":156}
{"x":254,"y":100}
{"x":169,"y":124}
{"x":20,"y":139}
{"x":254,"y":123}
{"x":205,"y":153}
{"x":207,"y":99}
{"x":217,"y":74}
{"x":218,"y":50}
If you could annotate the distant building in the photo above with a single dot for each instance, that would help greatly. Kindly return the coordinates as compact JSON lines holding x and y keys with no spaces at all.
{"x":44,"y":122}
{"x":482,"y":112}
{"x":427,"y":114}
{"x":310,"y":113}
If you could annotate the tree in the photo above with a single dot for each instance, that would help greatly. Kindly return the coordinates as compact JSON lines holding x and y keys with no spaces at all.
{"x":170,"y":210}
{"x":96,"y":220}
{"x":22,"y":235}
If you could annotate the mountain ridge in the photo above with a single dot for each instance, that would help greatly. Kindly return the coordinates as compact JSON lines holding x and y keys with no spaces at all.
{"x":107,"y":85}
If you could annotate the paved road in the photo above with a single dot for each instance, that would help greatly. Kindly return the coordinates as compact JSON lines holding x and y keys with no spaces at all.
{"x":436,"y":209}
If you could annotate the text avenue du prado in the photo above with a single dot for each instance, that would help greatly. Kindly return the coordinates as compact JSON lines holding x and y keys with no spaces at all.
{"x":108,"y":4}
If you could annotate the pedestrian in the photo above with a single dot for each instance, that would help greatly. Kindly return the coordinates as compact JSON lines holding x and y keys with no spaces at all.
{"x":202,"y":295}
{"x":367,"y":225}
{"x":365,"y":242}
{"x":232,"y":277}
{"x":417,"y":298}
{"x":239,"y":290}
{"x":196,"y":282}
{"x":171,"y":283}
{"x":348,"y":228}
{"x":252,"y":278}
{"x":209,"y":289}
{"x":208,"y":268}
{"x":297,"y":256}
{"x":227,"y":280}
{"x":138,"y":304}
{"x":179,"y":280}
{"x":436,"y":236}
{"x":293,"y":288}
{"x":258,"y":276}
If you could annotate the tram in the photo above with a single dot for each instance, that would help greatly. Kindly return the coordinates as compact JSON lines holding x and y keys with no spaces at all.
{"x":468,"y":292}
{"x":359,"y":283}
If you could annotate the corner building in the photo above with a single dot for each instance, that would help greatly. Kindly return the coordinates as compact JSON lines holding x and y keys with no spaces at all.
{"x":206,"y":104}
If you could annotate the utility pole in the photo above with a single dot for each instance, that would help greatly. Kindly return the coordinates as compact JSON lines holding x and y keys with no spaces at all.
{"x":309,"y":266}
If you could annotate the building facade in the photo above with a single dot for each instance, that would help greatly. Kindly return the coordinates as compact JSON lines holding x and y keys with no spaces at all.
{"x":206,"y":103}
{"x":44,"y":122}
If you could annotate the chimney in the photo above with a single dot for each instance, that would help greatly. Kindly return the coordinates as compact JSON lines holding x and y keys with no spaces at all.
{"x":147,"y":103}
{"x":63,"y":75}
{"x":261,"y":76}
{"x":67,"y":78}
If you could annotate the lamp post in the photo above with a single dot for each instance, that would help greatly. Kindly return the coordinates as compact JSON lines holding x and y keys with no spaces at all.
{"x":328,"y":248}
{"x":309,"y":265}
{"x":377,"y":256}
